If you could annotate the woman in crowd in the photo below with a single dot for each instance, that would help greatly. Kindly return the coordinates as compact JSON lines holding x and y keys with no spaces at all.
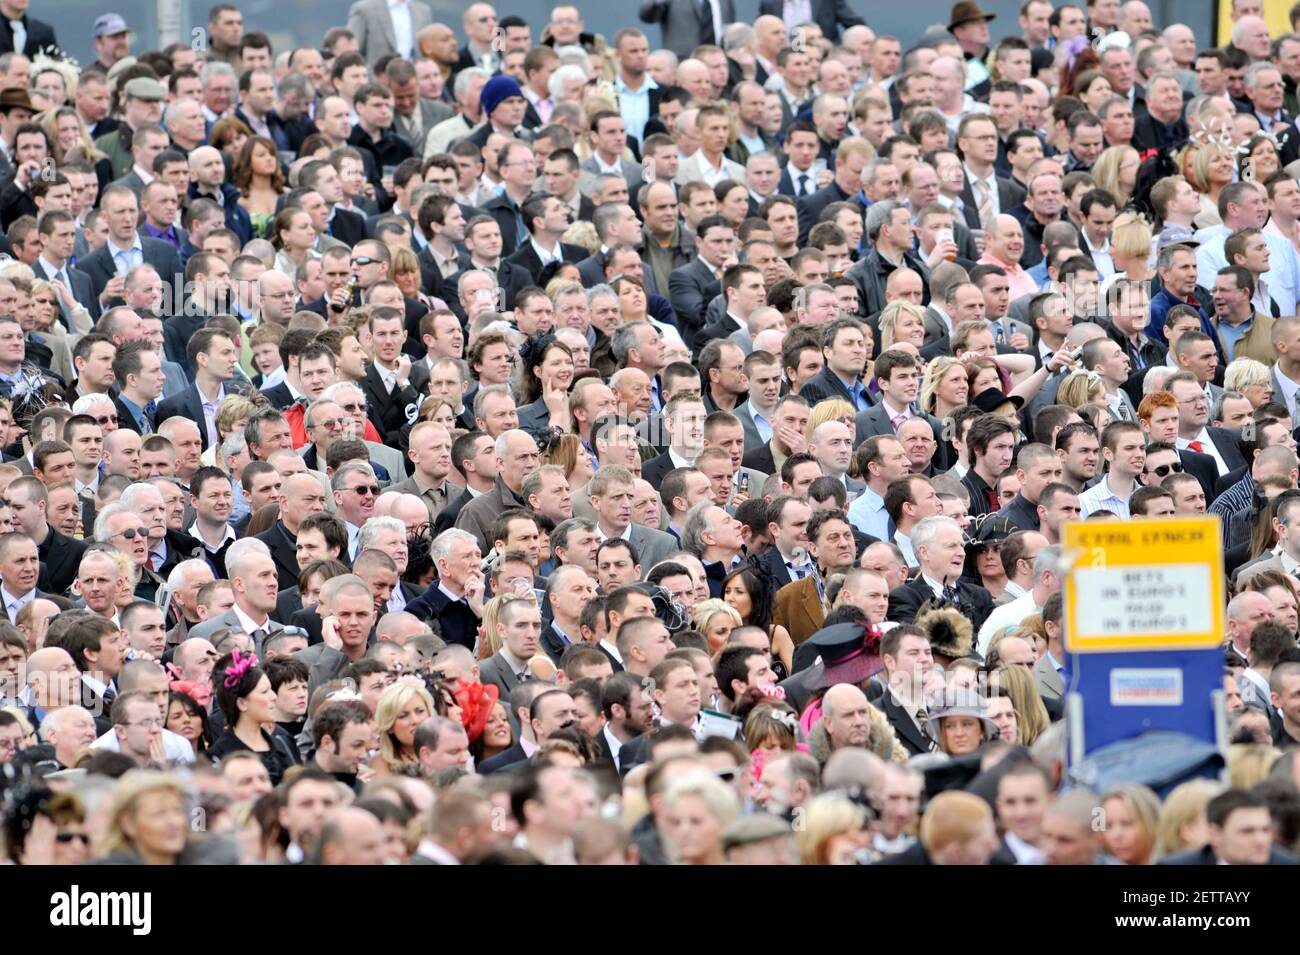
{"x":293,"y":235}
{"x":567,"y":451}
{"x":902,"y":322}
{"x":402,"y":708}
{"x":497,"y":735}
{"x":547,"y":373}
{"x":1116,"y":171}
{"x":1182,"y":822}
{"x":73,"y":143}
{"x":944,"y":387}
{"x":1031,"y":715}
{"x":1132,"y":818}
{"x":247,"y":702}
{"x":733,"y":201}
{"x":257,"y":174}
{"x":1251,"y":378}
{"x":834,"y":832}
{"x":960,"y":723}
{"x":1208,"y":167}
{"x":697,"y":808}
{"x":1131,"y":244}
{"x":147,"y":821}
{"x":715,"y":619}
{"x":187,"y":718}
{"x":751,"y":594}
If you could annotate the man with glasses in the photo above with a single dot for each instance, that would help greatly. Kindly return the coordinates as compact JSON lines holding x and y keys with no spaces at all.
{"x":326,"y":422}
{"x":518,"y":455}
{"x":1193,"y":413}
{"x":144,"y":681}
{"x":355,"y":489}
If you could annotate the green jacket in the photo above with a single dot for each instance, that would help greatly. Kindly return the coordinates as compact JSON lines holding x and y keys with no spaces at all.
{"x":117,"y":146}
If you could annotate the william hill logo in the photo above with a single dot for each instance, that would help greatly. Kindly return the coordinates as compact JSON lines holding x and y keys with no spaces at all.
{"x":95,"y":909}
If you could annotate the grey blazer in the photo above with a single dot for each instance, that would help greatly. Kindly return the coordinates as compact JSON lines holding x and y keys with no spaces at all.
{"x":229,"y":619}
{"x":496,"y":671}
{"x":589,"y":170}
{"x":373,"y":25}
{"x":683,"y":23}
{"x":653,"y":545}
{"x":1048,"y":680}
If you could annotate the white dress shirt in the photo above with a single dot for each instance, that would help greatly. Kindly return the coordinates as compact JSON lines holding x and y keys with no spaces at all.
{"x":399,"y":11}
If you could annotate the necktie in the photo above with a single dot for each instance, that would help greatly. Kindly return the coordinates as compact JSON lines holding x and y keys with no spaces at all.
{"x":984,"y":201}
{"x":258,"y":636}
{"x":951,"y":595}
{"x":1196,"y":446}
{"x":890,"y":528}
{"x":803,"y":184}
{"x":707,"y":9}
{"x":20,"y":35}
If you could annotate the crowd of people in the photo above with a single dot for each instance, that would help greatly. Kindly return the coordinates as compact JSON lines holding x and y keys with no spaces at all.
{"x":521,"y":445}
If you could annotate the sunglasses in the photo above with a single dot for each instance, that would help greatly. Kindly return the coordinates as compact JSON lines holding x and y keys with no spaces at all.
{"x":106,"y":419}
{"x":131,"y":532}
{"x":63,"y":838}
{"x":371,"y":489}
{"x":362,"y":260}
{"x":1164,"y":469}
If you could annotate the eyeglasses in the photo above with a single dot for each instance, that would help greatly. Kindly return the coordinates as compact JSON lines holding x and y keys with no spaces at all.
{"x":371,"y":489}
{"x":63,"y":838}
{"x":329,"y":424}
{"x":353,"y":409}
{"x":154,"y":723}
{"x":1164,"y":469}
{"x":106,"y":419}
{"x":362,"y":260}
{"x":131,"y":532}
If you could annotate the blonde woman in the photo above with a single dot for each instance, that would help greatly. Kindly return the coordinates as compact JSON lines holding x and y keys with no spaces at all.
{"x":1082,"y":388}
{"x":1182,"y":820}
{"x":715,"y":619}
{"x":902,"y":322}
{"x":72,"y":140}
{"x":400,"y":711}
{"x":1249,"y":377}
{"x":1249,"y":763}
{"x":489,"y":641}
{"x":832,"y":409}
{"x":232,"y":414}
{"x":834,"y":832}
{"x":697,"y":808}
{"x":1208,"y":167}
{"x":1132,"y":249}
{"x":147,"y":821}
{"x":945,"y":386}
{"x":1031,"y":714}
{"x":1116,"y":171}
{"x":1132,"y":817}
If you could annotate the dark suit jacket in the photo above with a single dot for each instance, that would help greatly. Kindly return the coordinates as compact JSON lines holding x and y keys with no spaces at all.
{"x":347,"y":226}
{"x":1228,"y":441}
{"x":810,"y":207}
{"x":125,"y":419}
{"x":188,"y":404}
{"x":875,"y":421}
{"x":287,"y":603}
{"x":1203,"y":468}
{"x":825,"y":384}
{"x":60,"y":557}
{"x":279,"y":396}
{"x":906,"y":731}
{"x":1020,"y":513}
{"x":504,"y":760}
{"x":283,"y":551}
{"x":388,"y":411}
{"x":1009,"y":195}
{"x":447,"y":516}
{"x":459,"y":624}
{"x":830,"y":15}
{"x":656,"y":469}
{"x":177,"y":331}
{"x":82,"y":288}
{"x":905,"y":601}
{"x":101,"y":268}
{"x":526,"y":258}
{"x":760,"y":459}
{"x":39,"y":36}
{"x":690,"y":289}
{"x":684,"y":23}
{"x":774,"y":564}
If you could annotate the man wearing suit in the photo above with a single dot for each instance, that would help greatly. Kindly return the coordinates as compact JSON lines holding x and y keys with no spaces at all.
{"x":687,"y":24}
{"x":391,"y":398}
{"x":139,"y":382}
{"x":830,"y":15}
{"x":23,"y":34}
{"x":253,"y":579}
{"x":59,"y":230}
{"x":125,"y":249}
{"x":685,"y":424}
{"x":844,"y":350}
{"x":518,"y":172}
{"x":850,"y":159}
{"x":938,"y":542}
{"x":1240,"y":833}
{"x":709,"y":163}
{"x":1222,"y":444}
{"x":908,"y":663}
{"x":899,"y":386}
{"x":984,"y":192}
{"x":519,"y":627}
{"x":382,"y":28}
{"x":300,"y":495}
{"x":789,"y":533}
{"x":692,"y":287}
{"x":609,"y":142}
{"x":568,"y":590}
{"x":611,"y":493}
{"x":20,"y":564}
{"x":546,"y":219}
{"x":214,"y":363}
{"x":831,"y":545}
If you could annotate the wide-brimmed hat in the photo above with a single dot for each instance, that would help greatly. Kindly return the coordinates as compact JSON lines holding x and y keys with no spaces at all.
{"x":960,"y":701}
{"x":991,"y":399}
{"x":850,"y":653}
{"x":967,"y":11}
{"x":15,"y":99}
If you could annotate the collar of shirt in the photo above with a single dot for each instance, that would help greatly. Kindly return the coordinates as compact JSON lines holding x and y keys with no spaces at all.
{"x":79,"y":487}
{"x":247,"y":623}
{"x":546,"y":257}
{"x":431,"y":850}
{"x":454,"y":598}
{"x":517,"y":666}
{"x":613,"y":742}
{"x":16,"y":602}
{"x":933,"y":584}
{"x":114,"y":250}
{"x":612,"y":650}
{"x":626,"y":535}
{"x":396,"y":599}
{"x":160,"y":552}
{"x":615,"y":169}
{"x":144,"y":175}
{"x":647,"y":85}
{"x":229,"y":536}
{"x":679,"y":461}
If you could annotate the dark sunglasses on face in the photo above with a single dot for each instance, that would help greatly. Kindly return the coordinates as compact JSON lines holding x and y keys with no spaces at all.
{"x":130,"y":532}
{"x":1163,"y":470}
{"x":65,"y":837}
{"x":371,"y":489}
{"x":363,"y":260}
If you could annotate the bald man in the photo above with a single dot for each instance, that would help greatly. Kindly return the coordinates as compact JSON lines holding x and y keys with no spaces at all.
{"x":849,"y":720}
